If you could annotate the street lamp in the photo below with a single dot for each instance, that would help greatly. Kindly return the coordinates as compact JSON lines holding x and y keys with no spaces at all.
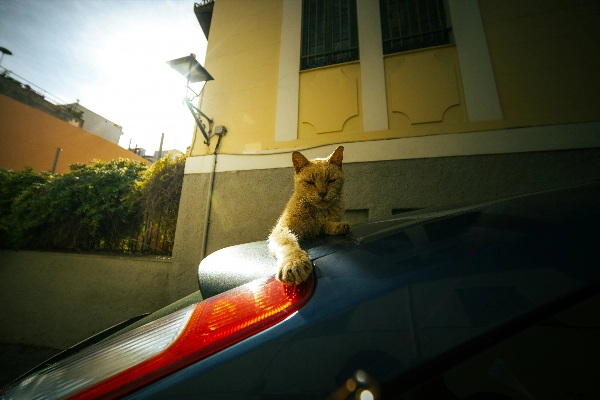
{"x":194,"y":72}
{"x":4,"y":51}
{"x":191,"y":69}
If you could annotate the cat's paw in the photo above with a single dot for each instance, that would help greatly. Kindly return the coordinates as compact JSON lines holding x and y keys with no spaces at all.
{"x":294,"y":268}
{"x":336,"y":228}
{"x":344,"y":228}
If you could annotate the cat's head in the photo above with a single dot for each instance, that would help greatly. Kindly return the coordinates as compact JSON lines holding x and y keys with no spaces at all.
{"x":319,"y":181}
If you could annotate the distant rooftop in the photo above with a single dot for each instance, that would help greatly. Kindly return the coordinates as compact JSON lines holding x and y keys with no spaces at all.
{"x":79,"y":107}
{"x":5,"y":73}
{"x":20,"y":89}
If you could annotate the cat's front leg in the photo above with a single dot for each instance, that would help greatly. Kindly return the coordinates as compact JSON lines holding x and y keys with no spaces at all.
{"x":293,"y":264}
{"x":336,"y":228}
{"x":294,"y":267}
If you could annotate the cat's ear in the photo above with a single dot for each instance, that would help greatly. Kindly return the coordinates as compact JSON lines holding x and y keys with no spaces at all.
{"x":299,"y":161}
{"x":337,"y":156}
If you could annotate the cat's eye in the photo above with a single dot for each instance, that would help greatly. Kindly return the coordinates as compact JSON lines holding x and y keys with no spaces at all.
{"x":310,"y":182}
{"x":331,"y":180}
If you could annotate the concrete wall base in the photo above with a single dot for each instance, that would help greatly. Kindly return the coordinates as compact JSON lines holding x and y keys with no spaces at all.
{"x":247,"y":203}
{"x":57,"y":300}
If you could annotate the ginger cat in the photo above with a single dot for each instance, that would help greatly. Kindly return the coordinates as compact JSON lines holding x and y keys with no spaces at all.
{"x":316,"y":208}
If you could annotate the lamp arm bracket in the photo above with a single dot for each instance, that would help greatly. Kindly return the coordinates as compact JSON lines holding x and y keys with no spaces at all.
{"x":197,"y":114}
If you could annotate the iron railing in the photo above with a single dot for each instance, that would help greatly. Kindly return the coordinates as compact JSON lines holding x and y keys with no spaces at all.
{"x":44,"y":94}
{"x":329,"y":33}
{"x":413,"y":24}
{"x":155,"y":238}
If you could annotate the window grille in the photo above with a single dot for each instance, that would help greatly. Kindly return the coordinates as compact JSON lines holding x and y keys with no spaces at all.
{"x":329,"y":32}
{"x":413,"y":24}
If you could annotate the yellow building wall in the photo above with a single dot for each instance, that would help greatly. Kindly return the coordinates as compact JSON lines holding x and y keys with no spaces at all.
{"x":544,"y":57}
{"x":243,"y":57}
{"x":29,"y":138}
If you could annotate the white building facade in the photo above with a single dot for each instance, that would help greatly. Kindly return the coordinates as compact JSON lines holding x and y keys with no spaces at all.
{"x":98,"y":125}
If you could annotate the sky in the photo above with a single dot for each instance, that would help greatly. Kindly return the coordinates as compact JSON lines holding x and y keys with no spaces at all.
{"x":111,"y":56}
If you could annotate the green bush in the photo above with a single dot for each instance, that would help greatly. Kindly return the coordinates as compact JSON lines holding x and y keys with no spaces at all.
{"x":117,"y":206}
{"x":157,"y":196}
{"x":161,"y":184}
{"x":88,"y":208}
{"x":12,"y":184}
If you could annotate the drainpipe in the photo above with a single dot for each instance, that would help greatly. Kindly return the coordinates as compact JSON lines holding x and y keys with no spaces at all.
{"x":58,"y":150}
{"x":211,"y":184}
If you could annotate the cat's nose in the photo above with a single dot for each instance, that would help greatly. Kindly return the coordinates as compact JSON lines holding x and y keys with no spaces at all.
{"x":323,"y":194}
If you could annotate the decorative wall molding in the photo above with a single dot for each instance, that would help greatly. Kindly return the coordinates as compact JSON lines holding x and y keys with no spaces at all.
{"x":519,"y":140}
{"x":329,"y":98}
{"x":423,"y":88}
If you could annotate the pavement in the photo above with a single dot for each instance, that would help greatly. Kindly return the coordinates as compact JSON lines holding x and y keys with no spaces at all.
{"x":16,"y":359}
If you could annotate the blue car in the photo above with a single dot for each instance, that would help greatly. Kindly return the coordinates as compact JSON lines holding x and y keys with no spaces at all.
{"x":489,"y":301}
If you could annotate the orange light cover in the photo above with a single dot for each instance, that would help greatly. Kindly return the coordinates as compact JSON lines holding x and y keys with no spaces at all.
{"x":215,"y":324}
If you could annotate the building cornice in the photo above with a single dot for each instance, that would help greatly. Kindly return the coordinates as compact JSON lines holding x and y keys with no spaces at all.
{"x":519,"y":140}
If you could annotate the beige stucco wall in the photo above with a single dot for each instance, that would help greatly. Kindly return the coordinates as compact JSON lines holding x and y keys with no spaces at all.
{"x":542,"y":64}
{"x":330,"y":101}
{"x":545,"y":59}
{"x":243,"y":57}
{"x":56,"y":300}
{"x":540,"y":74}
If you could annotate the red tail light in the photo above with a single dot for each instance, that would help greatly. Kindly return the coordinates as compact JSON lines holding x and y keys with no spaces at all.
{"x":213,"y":325}
{"x":216,"y":323}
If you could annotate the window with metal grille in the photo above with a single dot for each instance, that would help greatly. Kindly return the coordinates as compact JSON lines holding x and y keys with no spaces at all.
{"x":329,"y":33}
{"x":413,"y":24}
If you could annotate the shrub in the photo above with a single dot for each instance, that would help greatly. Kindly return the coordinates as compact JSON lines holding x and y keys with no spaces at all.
{"x":12,"y":184}
{"x":86,"y":209}
{"x":157,"y":196}
{"x":117,"y":206}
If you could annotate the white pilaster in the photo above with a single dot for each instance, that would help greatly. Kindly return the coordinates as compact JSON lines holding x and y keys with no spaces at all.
{"x":372,"y":71}
{"x":286,"y":122}
{"x":481,"y":94}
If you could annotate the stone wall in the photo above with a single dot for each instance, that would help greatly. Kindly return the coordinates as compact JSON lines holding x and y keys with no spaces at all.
{"x":246,"y":204}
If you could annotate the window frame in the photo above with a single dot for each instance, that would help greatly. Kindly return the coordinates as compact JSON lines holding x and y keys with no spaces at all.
{"x":419,"y":24}
{"x":329,"y":33}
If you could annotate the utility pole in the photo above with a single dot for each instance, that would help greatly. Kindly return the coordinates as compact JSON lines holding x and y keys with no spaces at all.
{"x":58,"y":150}
{"x":158,"y":157}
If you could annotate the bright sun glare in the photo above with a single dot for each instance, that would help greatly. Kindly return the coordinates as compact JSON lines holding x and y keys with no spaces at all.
{"x":111,"y":56}
{"x":144,"y":93}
